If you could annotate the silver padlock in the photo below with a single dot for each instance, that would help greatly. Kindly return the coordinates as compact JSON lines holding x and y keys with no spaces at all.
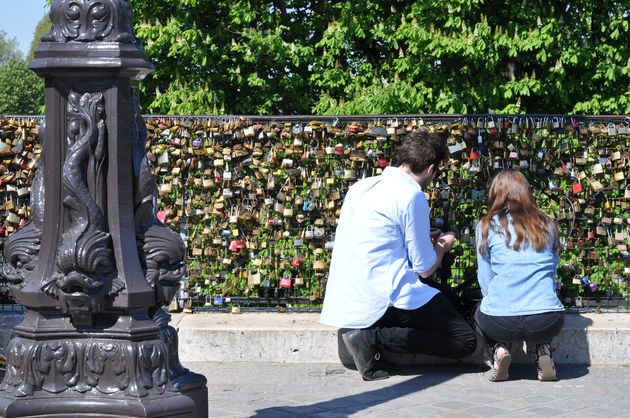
{"x":555,"y":123}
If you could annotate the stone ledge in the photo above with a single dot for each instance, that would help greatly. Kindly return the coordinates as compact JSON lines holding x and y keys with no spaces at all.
{"x":595,"y":339}
{"x":592,"y":339}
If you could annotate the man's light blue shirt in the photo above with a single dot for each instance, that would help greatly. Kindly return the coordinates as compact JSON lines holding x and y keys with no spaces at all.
{"x":516,"y":282}
{"x":382,"y":242}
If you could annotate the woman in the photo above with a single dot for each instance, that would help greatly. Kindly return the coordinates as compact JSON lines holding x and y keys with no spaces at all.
{"x":517,"y":257}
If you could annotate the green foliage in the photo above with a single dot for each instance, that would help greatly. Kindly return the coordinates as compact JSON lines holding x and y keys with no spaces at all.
{"x":8,"y":48}
{"x":21,"y":90}
{"x":219,"y":56}
{"x":394,"y":56}
{"x":42,"y":28}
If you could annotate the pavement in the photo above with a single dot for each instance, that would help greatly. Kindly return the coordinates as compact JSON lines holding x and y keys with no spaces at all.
{"x":288,"y":365}
{"x":248,"y":389}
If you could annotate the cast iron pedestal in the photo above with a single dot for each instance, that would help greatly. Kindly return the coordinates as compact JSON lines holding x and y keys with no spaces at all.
{"x":95,"y":266}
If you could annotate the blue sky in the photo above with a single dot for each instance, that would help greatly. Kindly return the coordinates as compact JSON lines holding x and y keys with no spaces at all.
{"x":18,"y":19}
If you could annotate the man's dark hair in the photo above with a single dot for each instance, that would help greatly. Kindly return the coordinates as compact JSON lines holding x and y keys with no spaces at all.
{"x":422,"y":148}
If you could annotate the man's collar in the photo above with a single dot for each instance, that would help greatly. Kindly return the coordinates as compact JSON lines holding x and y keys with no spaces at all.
{"x":399,"y":174}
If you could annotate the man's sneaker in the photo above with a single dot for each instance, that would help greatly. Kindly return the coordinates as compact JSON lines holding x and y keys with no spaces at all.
{"x":364,"y":356}
{"x":501,"y":365}
{"x":544,"y":362}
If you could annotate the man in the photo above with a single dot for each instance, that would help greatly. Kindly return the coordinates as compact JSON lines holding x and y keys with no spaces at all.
{"x":382,"y":244}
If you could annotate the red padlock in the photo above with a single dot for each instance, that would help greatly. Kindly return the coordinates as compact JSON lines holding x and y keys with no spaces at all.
{"x":474,"y":155}
{"x":233,"y":245}
{"x":285,"y":282}
{"x":161,"y":216}
{"x":275,"y":222}
{"x":382,"y":162}
{"x":295,"y":262}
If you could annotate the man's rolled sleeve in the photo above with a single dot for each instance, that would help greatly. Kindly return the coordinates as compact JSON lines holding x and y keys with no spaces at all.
{"x":416,"y":225}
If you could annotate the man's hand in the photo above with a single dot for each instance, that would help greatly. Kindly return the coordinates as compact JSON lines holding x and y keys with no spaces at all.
{"x":445,"y":241}
{"x":442,"y":244}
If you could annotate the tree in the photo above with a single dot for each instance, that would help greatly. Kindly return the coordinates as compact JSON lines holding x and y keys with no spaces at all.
{"x":389,"y":56}
{"x":468,"y":56}
{"x":222,"y":56}
{"x":8,"y":48}
{"x":42,"y":28}
{"x":21,"y":90}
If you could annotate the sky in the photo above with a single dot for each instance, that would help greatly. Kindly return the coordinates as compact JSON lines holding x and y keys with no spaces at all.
{"x":18,"y":18}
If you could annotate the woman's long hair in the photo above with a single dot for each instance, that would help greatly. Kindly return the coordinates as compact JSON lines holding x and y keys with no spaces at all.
{"x":510,"y":193}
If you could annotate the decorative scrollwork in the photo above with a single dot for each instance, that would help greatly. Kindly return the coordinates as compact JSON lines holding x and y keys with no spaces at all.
{"x":85,"y":257}
{"x":91,"y":20}
{"x":135,"y":369}
{"x":161,"y":250}
{"x":168,"y":335}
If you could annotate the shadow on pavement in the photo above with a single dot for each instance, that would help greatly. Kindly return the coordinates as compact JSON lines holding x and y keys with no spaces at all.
{"x":565,"y":371}
{"x":426,"y":377}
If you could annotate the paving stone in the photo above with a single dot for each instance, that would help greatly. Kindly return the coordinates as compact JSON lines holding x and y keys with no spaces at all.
{"x":486,"y":411}
{"x":322,"y":390}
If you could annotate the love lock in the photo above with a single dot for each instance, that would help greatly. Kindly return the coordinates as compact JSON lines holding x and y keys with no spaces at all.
{"x":465,"y":237}
{"x":330,"y":243}
{"x":285,"y":282}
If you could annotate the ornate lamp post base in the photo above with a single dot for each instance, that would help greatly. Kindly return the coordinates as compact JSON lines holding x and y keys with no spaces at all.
{"x":82,"y":373}
{"x":190,"y":401}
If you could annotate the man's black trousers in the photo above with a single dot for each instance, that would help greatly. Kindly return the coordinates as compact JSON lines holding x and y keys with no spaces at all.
{"x":435,"y":329}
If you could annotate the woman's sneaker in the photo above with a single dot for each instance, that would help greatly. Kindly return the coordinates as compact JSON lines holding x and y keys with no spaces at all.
{"x":544,"y":362}
{"x":501,"y":366}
